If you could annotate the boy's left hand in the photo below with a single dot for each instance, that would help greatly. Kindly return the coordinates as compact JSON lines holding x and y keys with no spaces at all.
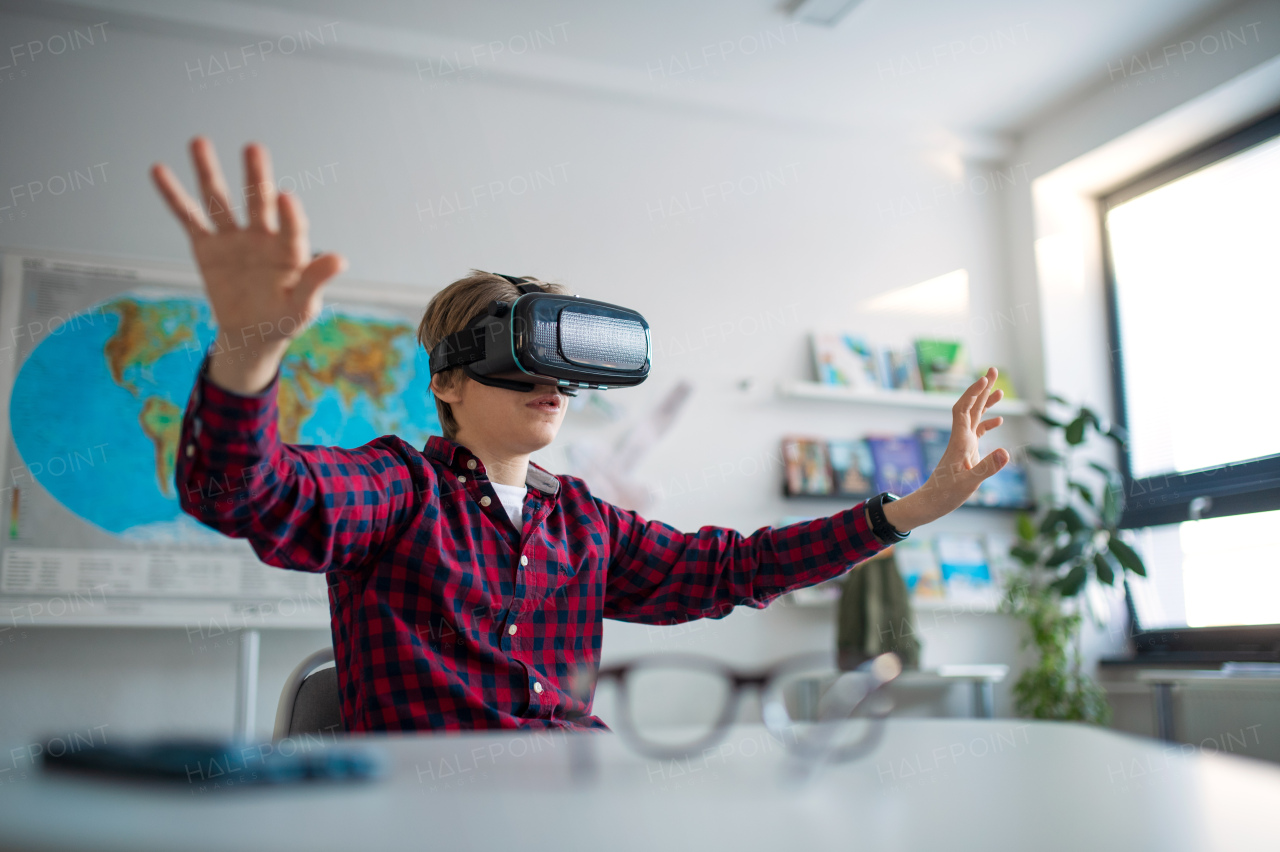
{"x":961,"y":469}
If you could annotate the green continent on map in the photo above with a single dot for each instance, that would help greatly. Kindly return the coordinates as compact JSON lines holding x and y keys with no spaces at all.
{"x":148,"y":331}
{"x":162,"y":422}
{"x":352,"y":357}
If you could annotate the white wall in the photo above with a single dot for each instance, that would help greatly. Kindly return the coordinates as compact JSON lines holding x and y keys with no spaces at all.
{"x":730,"y":290}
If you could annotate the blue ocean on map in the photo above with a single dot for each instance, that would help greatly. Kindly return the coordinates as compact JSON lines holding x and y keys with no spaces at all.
{"x":102,"y":442}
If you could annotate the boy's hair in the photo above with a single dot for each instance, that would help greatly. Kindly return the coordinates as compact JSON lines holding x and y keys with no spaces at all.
{"x":453,"y":308}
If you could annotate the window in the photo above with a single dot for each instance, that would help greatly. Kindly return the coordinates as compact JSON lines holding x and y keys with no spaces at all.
{"x":1193,"y":257}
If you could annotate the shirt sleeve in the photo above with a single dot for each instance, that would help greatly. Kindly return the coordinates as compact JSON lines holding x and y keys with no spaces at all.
{"x":307,"y":508}
{"x":659,"y":575}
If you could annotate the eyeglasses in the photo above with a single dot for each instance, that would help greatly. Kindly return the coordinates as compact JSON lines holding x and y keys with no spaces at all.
{"x":671,"y":706}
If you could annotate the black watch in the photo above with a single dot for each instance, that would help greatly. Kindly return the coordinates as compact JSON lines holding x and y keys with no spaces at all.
{"x":879,"y":523}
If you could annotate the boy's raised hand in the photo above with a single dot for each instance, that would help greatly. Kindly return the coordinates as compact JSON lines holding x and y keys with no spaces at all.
{"x":962,"y":467}
{"x":262,"y":283}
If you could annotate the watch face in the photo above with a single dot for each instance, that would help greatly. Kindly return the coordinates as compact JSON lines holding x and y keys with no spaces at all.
{"x":889,"y":497}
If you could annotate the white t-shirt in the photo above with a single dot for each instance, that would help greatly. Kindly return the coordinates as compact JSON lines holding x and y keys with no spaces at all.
{"x":512,"y":497}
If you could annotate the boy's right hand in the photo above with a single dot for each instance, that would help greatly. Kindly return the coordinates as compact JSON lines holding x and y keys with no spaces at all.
{"x":262,"y":283}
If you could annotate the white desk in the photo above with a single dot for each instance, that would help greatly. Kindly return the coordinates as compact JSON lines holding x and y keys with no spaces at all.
{"x":954,"y":784}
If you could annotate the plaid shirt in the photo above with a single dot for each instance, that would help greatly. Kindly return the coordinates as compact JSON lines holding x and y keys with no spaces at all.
{"x":444,"y":615}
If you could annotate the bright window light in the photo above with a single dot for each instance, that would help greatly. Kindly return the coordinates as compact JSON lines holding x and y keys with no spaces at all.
{"x":1197,"y":271}
{"x":1211,"y":573}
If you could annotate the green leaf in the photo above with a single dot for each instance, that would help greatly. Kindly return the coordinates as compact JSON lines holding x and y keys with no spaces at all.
{"x":1026,"y":527}
{"x":1127,"y":556}
{"x":1072,"y":583}
{"x":1072,"y":519}
{"x":1056,"y":398}
{"x":1044,"y":454}
{"x":1047,"y":420}
{"x":1025,"y":555}
{"x":1108,"y":472}
{"x":1082,"y":490}
{"x":1091,"y":417}
{"x":1102,"y":567}
{"x":1075,"y":431}
{"x":1066,"y":553}
{"x":1110,"y":506}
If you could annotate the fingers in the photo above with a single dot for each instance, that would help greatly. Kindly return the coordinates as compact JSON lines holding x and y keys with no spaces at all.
{"x":987,"y":425}
{"x":980,"y":403}
{"x":293,"y":221}
{"x":213,"y":186}
{"x":183,"y":206}
{"x":260,"y":188}
{"x":964,"y":405}
{"x":318,"y":272}
{"x":992,"y":464}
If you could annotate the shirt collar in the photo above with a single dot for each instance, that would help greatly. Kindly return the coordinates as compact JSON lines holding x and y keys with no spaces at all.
{"x":455,"y":456}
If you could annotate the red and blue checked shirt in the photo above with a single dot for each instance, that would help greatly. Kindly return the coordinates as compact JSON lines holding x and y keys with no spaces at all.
{"x":444,"y":615}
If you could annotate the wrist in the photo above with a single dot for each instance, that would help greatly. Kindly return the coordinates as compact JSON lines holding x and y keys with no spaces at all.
{"x":905,"y":514}
{"x":244,"y":371}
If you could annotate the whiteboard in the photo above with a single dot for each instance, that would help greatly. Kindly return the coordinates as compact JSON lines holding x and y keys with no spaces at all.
{"x":92,"y":533}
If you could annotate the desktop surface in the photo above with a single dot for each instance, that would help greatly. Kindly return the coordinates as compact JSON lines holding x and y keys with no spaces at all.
{"x":929,"y":784}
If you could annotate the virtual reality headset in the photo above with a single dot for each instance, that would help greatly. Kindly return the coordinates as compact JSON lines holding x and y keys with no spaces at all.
{"x":546,"y":339}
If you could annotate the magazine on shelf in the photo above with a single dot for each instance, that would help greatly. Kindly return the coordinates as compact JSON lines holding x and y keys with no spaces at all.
{"x":944,"y":365}
{"x":808,"y":468}
{"x":852,"y":467}
{"x":966,"y":571}
{"x":899,"y":463}
{"x":899,"y":369}
{"x":845,"y":360}
{"x":920,"y":570}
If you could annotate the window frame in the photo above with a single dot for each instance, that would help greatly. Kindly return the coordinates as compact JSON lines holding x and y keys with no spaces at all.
{"x":1231,"y":489}
{"x":1241,"y":488}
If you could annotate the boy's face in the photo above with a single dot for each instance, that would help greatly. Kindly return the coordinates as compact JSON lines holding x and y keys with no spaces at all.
{"x":505,"y":420}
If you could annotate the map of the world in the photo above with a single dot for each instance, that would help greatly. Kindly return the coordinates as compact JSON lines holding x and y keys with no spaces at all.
{"x":110,"y":385}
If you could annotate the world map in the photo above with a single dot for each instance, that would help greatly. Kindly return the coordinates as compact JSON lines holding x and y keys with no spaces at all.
{"x":96,"y":410}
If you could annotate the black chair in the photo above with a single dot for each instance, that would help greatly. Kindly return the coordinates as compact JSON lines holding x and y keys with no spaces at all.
{"x":309,"y":702}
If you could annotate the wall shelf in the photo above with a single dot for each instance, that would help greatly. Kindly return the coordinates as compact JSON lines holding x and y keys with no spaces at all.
{"x":892,"y":399}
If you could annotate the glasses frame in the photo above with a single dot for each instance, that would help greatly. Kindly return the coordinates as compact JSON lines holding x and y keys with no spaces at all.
{"x":881,"y":670}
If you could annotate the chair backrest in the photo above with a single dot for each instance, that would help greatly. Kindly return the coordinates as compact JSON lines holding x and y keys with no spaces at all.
{"x":309,"y":702}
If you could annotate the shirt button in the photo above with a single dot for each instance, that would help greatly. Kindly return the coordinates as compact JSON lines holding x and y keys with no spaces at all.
{"x":511,"y":631}
{"x":191,"y":450}
{"x":537,"y":687}
{"x":471,"y":464}
{"x":462,"y":479}
{"x":524,"y":560}
{"x":485,"y":501}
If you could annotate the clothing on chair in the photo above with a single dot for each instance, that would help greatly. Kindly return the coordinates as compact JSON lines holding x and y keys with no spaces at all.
{"x":875,"y":615}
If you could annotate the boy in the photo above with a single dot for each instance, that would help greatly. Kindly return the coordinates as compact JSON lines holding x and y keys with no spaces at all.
{"x":467,"y":585}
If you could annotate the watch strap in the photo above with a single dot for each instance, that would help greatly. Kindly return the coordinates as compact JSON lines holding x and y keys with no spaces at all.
{"x":880,"y":525}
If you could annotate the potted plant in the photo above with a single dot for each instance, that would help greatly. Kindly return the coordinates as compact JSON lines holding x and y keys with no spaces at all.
{"x":1073,"y":538}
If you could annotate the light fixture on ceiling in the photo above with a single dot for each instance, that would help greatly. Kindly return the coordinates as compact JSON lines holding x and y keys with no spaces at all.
{"x":824,"y":13}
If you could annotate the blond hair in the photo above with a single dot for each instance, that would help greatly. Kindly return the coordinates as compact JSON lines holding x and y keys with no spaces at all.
{"x":452,"y":310}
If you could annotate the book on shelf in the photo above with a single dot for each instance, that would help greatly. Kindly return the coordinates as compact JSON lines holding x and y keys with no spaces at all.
{"x":944,"y":365}
{"x":920,"y":570}
{"x":966,"y":571}
{"x":808,"y":467}
{"x":845,"y":360}
{"x":899,"y":463}
{"x":900,"y":369}
{"x":1006,"y":489}
{"x":852,"y":467}
{"x":933,"y":443}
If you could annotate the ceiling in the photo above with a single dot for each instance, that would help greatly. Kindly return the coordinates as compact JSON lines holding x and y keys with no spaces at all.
{"x":976,"y":69}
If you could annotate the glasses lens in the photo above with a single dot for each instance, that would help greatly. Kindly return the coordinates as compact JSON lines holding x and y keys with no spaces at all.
{"x":815,"y":707}
{"x":672,"y":706}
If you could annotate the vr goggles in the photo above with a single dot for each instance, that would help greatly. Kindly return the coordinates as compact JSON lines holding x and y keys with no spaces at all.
{"x":547,"y":339}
